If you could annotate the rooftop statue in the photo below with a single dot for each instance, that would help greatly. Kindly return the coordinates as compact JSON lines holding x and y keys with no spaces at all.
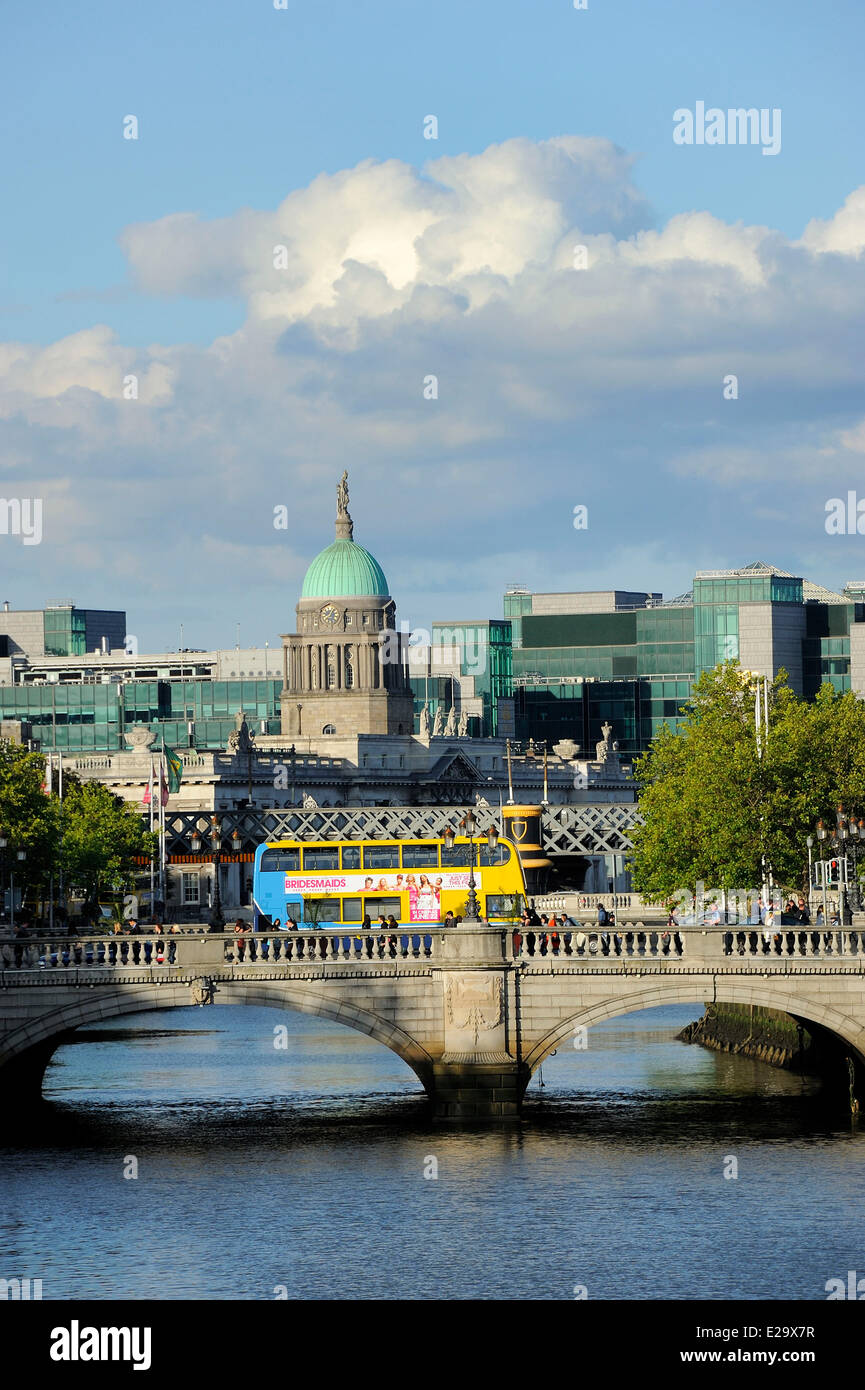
{"x":342,"y":494}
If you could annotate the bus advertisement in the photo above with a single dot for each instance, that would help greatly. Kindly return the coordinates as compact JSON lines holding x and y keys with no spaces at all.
{"x":415,"y":881}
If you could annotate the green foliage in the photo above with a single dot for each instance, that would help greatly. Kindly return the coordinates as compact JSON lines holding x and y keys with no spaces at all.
{"x":29,"y":819}
{"x":713,"y":808}
{"x":102,"y":837}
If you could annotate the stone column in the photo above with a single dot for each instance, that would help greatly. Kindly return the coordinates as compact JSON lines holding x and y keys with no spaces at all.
{"x":479,"y":1074}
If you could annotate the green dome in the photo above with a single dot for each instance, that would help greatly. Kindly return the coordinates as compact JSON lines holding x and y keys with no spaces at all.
{"x":344,"y":570}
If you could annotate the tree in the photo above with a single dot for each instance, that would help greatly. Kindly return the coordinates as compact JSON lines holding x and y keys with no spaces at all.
{"x":102,"y":837}
{"x":29,"y":818}
{"x":713,"y":808}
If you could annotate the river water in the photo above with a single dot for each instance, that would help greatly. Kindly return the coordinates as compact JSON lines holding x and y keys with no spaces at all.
{"x":265,"y":1169}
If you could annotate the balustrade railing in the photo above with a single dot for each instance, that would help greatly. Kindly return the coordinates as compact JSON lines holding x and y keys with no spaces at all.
{"x":702,"y":948}
{"x":315,"y":946}
{"x":582,"y":945}
{"x":794,"y":945}
{"x":195,"y":950}
{"x":79,"y":952}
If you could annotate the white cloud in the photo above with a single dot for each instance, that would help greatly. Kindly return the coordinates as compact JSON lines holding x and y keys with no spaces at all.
{"x":556,"y":385}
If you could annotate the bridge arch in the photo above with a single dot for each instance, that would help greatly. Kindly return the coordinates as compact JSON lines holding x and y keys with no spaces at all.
{"x":28,"y":1049}
{"x":728,"y":990}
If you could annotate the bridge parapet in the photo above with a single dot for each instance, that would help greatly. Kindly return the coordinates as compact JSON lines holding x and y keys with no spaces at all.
{"x":695,"y":945}
{"x":459,"y":948}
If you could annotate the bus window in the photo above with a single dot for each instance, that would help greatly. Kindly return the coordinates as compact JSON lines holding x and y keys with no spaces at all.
{"x":284,"y":860}
{"x":460,"y":854}
{"x":375,"y":907}
{"x":352,"y":910}
{"x":507,"y":905}
{"x":320,"y":857}
{"x":500,"y":855}
{"x":381,"y":856}
{"x":317,"y":910}
{"x":420,"y":856}
{"x":351,"y":856}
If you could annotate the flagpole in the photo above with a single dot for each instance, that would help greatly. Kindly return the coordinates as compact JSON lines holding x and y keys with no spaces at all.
{"x":161,"y":827}
{"x":152,"y":861}
{"x":60,"y":795}
{"x":50,"y":787}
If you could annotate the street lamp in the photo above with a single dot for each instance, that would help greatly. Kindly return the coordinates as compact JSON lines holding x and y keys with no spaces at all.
{"x":470,"y":825}
{"x":20,"y":855}
{"x":216,"y":917}
{"x":857,"y":839}
{"x":195,"y":844}
{"x":3,"y":843}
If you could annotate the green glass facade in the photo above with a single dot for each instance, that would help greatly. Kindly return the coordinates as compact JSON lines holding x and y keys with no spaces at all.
{"x":65,"y":631}
{"x":485,"y":653}
{"x":94,"y":718}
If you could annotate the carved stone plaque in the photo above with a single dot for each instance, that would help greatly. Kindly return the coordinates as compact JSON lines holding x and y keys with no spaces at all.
{"x":474,"y":1013}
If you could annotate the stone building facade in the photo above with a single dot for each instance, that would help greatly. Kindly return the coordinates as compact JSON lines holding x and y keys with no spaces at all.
{"x":344,"y":669}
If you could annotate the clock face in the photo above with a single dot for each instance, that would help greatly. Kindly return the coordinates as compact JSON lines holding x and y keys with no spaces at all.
{"x":329,"y":615}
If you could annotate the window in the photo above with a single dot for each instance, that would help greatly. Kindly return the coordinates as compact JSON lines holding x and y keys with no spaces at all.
{"x":420,"y":856}
{"x":352,"y":910}
{"x":500,"y":855}
{"x":389,"y":906}
{"x":321,"y":910}
{"x":191,"y":888}
{"x":320,"y":857}
{"x":504,"y":905}
{"x":351,"y":856}
{"x":381,"y":857}
{"x":329,"y":729}
{"x":349,"y":667}
{"x":280,"y":860}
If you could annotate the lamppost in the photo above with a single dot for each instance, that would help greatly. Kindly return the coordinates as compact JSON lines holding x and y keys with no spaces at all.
{"x":216,"y":918}
{"x":857,"y":838}
{"x":470,"y":825}
{"x":20,"y":855}
{"x":844,"y":834}
{"x":822,"y":836}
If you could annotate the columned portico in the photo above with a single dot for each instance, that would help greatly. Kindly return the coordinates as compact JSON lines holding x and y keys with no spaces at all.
{"x":344,"y":670}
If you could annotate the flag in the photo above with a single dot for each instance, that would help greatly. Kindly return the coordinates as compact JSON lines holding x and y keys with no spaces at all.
{"x":148,"y":790}
{"x":163,"y":784}
{"x":46,"y":778}
{"x":175,"y":769}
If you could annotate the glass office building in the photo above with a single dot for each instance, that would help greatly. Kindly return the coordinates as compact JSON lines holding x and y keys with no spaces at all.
{"x":93,"y":718}
{"x":634,"y":664}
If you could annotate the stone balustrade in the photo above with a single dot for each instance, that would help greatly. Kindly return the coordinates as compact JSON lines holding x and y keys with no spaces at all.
{"x":466,"y":945}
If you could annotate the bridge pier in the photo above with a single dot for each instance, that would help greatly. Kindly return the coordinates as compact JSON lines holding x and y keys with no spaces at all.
{"x":477,"y":1090}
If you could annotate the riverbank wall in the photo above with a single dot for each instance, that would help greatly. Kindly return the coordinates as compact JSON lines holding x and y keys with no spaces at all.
{"x":767,"y":1035}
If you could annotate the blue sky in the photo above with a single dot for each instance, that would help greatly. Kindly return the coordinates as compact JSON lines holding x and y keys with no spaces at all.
{"x":240,"y":105}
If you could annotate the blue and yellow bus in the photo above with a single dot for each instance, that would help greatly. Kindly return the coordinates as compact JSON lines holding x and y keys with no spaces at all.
{"x":415,"y":881}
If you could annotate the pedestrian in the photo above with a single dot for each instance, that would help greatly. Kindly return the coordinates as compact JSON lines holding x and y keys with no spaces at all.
{"x":602,"y":915}
{"x":448,"y":919}
{"x":391,"y":941}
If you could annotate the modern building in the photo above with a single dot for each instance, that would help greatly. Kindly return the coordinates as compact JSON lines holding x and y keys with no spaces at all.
{"x":60,"y":630}
{"x":632,"y":659}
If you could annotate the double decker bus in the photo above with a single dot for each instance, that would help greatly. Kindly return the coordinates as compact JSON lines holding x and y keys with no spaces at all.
{"x":415,"y":881}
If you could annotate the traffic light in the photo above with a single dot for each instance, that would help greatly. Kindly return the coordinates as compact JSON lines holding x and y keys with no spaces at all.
{"x":834,"y":871}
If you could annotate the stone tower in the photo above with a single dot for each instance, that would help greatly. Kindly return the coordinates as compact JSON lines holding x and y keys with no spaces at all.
{"x":343,"y":669}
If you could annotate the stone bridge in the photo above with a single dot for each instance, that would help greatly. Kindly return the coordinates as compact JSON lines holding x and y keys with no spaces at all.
{"x":472,"y":1010}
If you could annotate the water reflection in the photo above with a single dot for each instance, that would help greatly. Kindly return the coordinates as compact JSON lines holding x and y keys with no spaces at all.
{"x":304,"y":1167}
